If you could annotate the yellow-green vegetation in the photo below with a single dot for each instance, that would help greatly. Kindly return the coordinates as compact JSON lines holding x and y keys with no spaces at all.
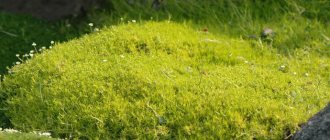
{"x":188,"y":70}
{"x":165,"y":80}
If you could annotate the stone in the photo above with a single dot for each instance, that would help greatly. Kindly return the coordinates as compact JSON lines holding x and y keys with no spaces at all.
{"x":49,"y":9}
{"x":267,"y":32}
{"x":317,"y":127}
{"x":157,"y":4}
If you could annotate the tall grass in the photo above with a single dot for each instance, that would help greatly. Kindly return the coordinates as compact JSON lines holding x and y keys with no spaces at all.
{"x":297,"y":23}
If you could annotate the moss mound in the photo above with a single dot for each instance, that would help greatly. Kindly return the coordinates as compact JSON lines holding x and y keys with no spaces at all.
{"x":161,"y":80}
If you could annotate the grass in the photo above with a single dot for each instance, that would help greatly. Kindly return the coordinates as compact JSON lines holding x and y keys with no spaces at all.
{"x":18,"y":32}
{"x":166,"y":77}
{"x":298,"y":24}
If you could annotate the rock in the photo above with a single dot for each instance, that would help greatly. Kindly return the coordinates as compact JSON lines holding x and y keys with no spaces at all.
{"x":267,"y":32}
{"x":49,"y":9}
{"x":157,"y":4}
{"x":317,"y":127}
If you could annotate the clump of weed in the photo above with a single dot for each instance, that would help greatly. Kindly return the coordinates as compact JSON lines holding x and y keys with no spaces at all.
{"x":162,"y":80}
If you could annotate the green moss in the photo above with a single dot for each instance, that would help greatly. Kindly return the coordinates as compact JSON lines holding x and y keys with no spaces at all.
{"x":164,"y":80}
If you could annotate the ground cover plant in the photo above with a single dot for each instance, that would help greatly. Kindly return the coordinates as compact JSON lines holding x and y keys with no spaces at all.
{"x":188,"y":69}
{"x":163,"y":80}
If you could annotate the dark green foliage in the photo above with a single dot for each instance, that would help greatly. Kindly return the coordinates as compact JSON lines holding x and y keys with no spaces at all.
{"x":17,"y":33}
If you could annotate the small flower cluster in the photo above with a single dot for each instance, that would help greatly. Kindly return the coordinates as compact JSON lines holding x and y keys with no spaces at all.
{"x":91,"y":25}
{"x":26,"y":56}
{"x":46,"y":134}
{"x":130,"y":21}
{"x":10,"y":131}
{"x":285,"y":69}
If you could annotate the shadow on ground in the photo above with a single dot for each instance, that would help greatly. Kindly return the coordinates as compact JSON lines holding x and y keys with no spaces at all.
{"x":18,"y":32}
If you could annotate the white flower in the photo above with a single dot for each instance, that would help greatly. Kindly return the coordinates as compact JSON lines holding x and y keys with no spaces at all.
{"x":240,"y":58}
{"x":134,"y":21}
{"x":32,"y":51}
{"x":25,"y":55}
{"x":17,"y":55}
{"x":17,"y":63}
{"x":96,"y":29}
{"x":189,"y":69}
{"x":283,"y":68}
{"x":10,"y":130}
{"x":45,"y":134}
{"x":121,"y":19}
{"x":91,"y":24}
{"x":50,"y":47}
{"x":31,"y":54}
{"x":104,"y":60}
{"x":43,"y":47}
{"x":34,"y":44}
{"x":52,"y":42}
